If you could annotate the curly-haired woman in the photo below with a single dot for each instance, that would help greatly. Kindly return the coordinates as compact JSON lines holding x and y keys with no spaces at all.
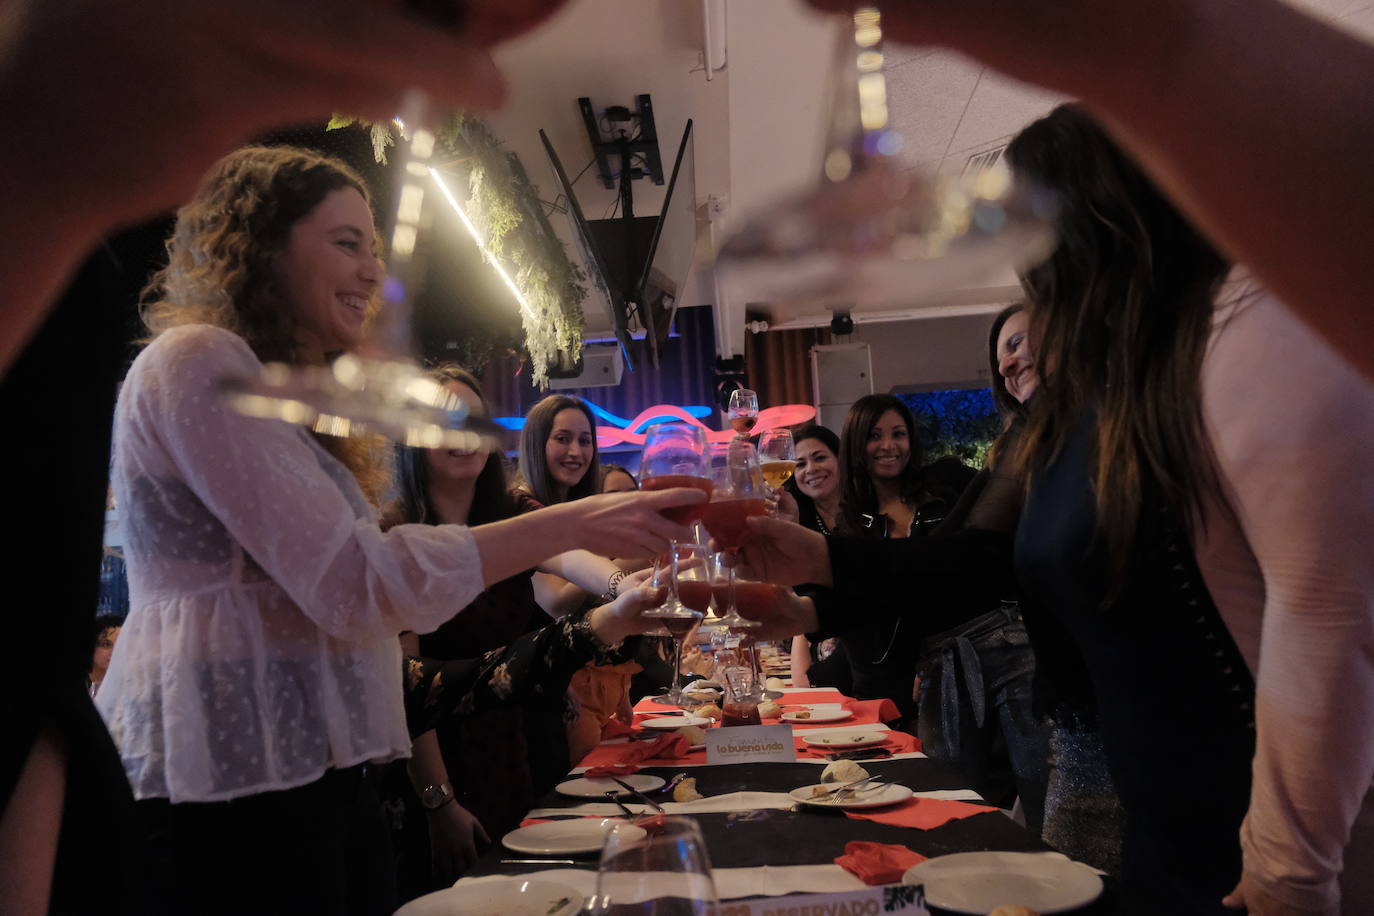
{"x":259,"y":669}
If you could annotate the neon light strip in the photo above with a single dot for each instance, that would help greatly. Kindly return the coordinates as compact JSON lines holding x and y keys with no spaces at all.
{"x":630,"y":432}
{"x":491,"y":258}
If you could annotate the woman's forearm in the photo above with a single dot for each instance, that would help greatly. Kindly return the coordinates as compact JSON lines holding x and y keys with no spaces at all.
{"x":426,"y":765}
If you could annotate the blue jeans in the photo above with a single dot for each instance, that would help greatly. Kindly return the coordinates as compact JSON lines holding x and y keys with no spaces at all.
{"x":975,"y":711}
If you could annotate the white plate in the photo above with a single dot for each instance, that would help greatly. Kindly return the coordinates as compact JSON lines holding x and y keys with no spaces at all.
{"x":859,"y":737}
{"x":823,"y":714}
{"x":865,"y":797}
{"x":563,"y":838}
{"x":672,"y":723}
{"x":978,"y":882}
{"x":517,"y":898}
{"x":589,"y":787}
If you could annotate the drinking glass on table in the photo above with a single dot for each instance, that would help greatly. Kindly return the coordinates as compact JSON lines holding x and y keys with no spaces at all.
{"x":739,"y":492}
{"x":682,"y":571}
{"x":659,"y":868}
{"x":778,"y":456}
{"x":743,"y":411}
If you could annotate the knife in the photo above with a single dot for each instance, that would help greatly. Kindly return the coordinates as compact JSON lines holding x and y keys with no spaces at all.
{"x":655,"y":806}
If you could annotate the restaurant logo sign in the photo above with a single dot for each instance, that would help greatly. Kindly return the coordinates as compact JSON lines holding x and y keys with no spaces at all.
{"x":751,"y":744}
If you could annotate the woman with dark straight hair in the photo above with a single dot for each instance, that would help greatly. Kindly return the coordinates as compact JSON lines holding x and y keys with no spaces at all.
{"x":559,"y":457}
{"x":1177,"y":516}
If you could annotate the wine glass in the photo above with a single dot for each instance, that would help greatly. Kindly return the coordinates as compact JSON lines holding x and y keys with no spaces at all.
{"x":380,"y":388}
{"x":682,"y":571}
{"x":743,"y":412}
{"x":657,"y":867}
{"x":875,"y":232}
{"x":778,"y":453}
{"x":739,"y":492}
{"x":675,"y":455}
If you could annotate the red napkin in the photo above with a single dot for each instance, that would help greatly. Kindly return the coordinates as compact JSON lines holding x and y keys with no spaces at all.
{"x":614,"y":728}
{"x":867,"y":711}
{"x":672,"y":745}
{"x":921,"y":813}
{"x":878,"y":863}
{"x":612,"y":769}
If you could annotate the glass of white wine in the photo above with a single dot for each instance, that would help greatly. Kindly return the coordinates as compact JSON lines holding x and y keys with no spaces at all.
{"x":778,"y":456}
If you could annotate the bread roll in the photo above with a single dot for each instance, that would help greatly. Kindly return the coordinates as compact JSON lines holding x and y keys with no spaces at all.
{"x":708,"y":711}
{"x":694,"y":734}
{"x":775,"y":683}
{"x":686,"y":790}
{"x":769,"y":710}
{"x":843,"y":771}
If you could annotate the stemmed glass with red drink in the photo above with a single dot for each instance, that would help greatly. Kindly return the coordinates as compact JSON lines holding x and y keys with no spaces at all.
{"x":739,"y":492}
{"x":682,"y":571}
{"x":675,"y":455}
{"x":743,"y":411}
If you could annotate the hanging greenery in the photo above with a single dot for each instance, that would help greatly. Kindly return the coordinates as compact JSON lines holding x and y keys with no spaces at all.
{"x":505,"y":207}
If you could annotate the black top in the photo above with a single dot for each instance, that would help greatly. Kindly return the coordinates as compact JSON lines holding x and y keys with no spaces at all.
{"x":1155,"y":669}
{"x":890,"y":595}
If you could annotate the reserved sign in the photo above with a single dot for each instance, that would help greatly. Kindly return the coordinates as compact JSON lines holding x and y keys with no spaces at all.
{"x":751,"y":744}
{"x":893,"y":898}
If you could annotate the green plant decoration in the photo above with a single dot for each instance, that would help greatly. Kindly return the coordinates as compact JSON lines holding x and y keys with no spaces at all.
{"x":504,"y":206}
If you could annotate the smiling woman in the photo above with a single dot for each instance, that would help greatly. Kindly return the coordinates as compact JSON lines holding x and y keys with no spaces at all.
{"x":258,"y":671}
{"x":559,"y":458}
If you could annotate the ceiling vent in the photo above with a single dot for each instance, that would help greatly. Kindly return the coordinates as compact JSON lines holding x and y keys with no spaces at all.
{"x":979,"y":163}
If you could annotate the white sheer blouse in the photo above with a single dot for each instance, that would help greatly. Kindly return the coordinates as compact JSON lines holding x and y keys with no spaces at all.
{"x":260,"y":648}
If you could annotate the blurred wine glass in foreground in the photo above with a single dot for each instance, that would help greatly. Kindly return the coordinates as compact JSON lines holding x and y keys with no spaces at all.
{"x":658,"y":867}
{"x":875,"y":232}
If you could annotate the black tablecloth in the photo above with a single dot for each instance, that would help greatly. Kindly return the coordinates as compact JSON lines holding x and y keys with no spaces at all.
{"x":817,"y":837}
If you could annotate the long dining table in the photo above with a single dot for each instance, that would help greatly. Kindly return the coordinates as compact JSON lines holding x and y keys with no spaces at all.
{"x":767,"y":851}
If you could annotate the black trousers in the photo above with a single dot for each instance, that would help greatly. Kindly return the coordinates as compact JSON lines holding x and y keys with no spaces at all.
{"x":322,"y":848}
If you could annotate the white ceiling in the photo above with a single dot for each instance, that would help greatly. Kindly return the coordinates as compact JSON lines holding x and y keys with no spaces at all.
{"x":758,"y":122}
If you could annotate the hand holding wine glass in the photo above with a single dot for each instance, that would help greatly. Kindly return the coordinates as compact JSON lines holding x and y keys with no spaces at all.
{"x":739,"y":492}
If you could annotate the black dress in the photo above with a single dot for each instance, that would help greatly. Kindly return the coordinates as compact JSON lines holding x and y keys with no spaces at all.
{"x":500,"y":761}
{"x":1152,"y":665}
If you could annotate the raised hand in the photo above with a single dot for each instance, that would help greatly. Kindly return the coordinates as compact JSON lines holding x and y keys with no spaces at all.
{"x":785,"y":553}
{"x":628,"y":524}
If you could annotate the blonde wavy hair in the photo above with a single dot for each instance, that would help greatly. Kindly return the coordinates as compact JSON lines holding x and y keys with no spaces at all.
{"x":222,"y":264}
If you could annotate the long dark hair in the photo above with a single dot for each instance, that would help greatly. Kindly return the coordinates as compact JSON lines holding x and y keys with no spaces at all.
{"x":534,"y":466}
{"x":1120,"y":314}
{"x":826,"y":437}
{"x":491,"y":498}
{"x":860,"y":495}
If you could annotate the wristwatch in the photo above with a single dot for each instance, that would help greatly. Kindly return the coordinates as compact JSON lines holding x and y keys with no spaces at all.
{"x":436,"y":796}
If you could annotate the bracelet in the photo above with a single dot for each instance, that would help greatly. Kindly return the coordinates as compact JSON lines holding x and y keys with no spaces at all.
{"x":613,"y":582}
{"x":583,"y":627}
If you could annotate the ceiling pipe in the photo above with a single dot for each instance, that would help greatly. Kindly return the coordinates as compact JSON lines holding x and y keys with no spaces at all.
{"x":713,"y":28}
{"x":936,"y":311}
